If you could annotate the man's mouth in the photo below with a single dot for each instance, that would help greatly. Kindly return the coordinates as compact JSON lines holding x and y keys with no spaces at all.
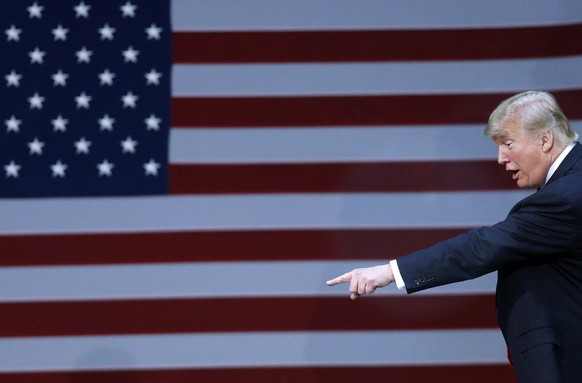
{"x":515,"y":174}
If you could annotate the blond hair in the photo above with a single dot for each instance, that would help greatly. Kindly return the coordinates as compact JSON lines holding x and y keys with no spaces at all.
{"x":535,"y":112}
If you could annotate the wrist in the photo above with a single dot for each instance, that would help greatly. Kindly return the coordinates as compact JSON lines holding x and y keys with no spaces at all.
{"x":390,"y":273}
{"x":396,"y":276}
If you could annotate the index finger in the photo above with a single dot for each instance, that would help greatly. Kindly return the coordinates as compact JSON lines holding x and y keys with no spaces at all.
{"x":345,"y":278}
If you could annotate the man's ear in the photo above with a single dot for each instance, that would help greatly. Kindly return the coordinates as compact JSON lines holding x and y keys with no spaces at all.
{"x":547,"y":140}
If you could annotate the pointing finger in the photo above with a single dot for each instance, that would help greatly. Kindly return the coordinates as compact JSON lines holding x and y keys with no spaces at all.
{"x":345,"y":278}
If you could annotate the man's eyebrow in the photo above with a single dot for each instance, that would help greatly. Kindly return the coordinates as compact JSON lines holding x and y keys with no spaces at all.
{"x":503,"y":136}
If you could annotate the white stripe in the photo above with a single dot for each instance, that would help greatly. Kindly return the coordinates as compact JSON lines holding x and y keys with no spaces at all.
{"x":324,"y":145}
{"x":202,"y":15}
{"x":197,"y":280}
{"x":333,"y":144}
{"x":388,"y":78}
{"x":265,"y":349}
{"x":246,"y":212}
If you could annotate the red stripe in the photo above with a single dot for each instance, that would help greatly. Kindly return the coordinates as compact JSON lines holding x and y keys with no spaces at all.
{"x":350,"y":374}
{"x":377,"y":45}
{"x":338,"y":177}
{"x":348,"y":110}
{"x":215,"y":246}
{"x":250,"y":314}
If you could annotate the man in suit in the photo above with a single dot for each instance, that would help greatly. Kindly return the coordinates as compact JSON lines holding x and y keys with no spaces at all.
{"x":537,"y":249}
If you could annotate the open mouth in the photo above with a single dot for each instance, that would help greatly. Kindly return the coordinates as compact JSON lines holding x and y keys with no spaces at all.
{"x":514,"y":174}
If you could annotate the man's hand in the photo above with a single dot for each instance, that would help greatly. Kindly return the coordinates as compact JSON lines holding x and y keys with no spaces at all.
{"x":365,"y":281}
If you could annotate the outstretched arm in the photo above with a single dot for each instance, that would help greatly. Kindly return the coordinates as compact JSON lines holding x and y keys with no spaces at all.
{"x":365,"y":281}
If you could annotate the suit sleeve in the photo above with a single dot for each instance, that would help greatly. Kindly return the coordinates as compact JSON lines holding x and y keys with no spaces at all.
{"x":540,"y":227}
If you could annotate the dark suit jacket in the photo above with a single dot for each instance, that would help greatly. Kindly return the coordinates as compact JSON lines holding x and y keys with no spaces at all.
{"x":537,"y":251}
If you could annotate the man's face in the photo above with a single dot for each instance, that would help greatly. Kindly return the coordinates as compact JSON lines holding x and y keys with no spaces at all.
{"x":522,"y":155}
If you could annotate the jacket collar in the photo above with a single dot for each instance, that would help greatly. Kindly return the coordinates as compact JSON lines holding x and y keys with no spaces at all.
{"x":572,"y":157}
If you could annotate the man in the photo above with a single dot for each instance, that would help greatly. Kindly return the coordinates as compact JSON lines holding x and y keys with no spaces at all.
{"x":537,"y":249}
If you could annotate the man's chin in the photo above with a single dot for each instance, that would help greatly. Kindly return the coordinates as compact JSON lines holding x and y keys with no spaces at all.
{"x":526,"y":185}
{"x":522,"y":184}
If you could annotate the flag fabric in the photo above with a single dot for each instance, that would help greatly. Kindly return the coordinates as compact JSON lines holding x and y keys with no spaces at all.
{"x":237,"y":155}
{"x":85,"y":102}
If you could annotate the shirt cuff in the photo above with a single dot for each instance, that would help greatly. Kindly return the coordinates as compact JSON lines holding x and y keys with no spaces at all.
{"x":397,"y":276}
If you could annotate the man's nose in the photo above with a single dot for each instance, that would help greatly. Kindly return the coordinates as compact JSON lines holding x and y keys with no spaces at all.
{"x":502,"y":156}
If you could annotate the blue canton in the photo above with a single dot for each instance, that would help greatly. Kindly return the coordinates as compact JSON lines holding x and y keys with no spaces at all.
{"x":84,"y":97}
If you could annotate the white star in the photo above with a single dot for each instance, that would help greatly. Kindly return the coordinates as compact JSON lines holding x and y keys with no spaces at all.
{"x":105,"y":168}
{"x":106,"y":32}
{"x":129,"y":100}
{"x":153,"y":122}
{"x":82,"y":146}
{"x":35,"y":11}
{"x":60,"y":33}
{"x":59,"y":169}
{"x":12,"y":125}
{"x":60,"y":124}
{"x":36,"y":101}
{"x":106,"y":77}
{"x":83,"y":55}
{"x":13,"y":79}
{"x":130,"y":55}
{"x":128,"y":9}
{"x":153,"y":77}
{"x":36,"y":56}
{"x":106,"y":123}
{"x":83,"y":101}
{"x":60,"y":78}
{"x":12,"y":169}
{"x":35,"y":146}
{"x":154,"y":32}
{"x":151,"y":168}
{"x":82,"y":10}
{"x":128,"y":145}
{"x":13,"y":34}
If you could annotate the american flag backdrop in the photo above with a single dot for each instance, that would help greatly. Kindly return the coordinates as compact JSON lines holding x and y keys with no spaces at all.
{"x":180,"y":178}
